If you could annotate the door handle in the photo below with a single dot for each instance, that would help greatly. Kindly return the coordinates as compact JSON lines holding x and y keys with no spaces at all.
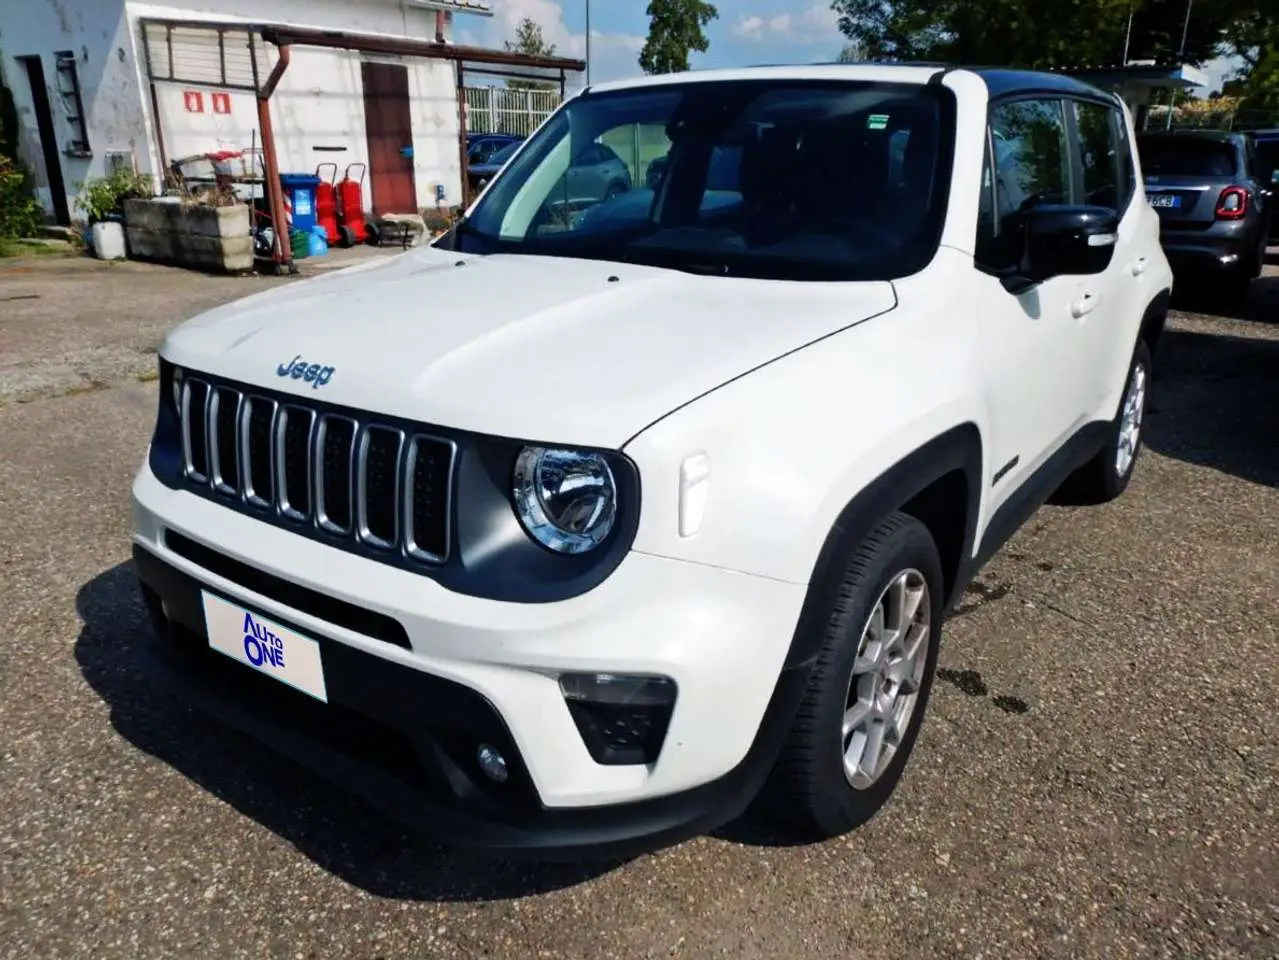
{"x":1084,"y":305}
{"x":1139,"y":266}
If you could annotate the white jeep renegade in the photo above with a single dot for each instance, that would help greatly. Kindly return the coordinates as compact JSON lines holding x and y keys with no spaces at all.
{"x":604,"y":515}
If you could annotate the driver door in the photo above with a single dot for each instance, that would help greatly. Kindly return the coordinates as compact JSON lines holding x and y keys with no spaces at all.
{"x":1033,"y":352}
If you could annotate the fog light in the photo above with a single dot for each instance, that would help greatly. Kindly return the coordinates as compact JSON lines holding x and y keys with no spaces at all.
{"x":492,"y":763}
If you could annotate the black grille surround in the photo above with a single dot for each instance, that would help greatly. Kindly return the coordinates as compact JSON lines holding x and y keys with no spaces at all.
{"x":430,"y":500}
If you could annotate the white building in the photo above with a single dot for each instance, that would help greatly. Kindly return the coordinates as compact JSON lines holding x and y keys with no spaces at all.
{"x":100,"y":83}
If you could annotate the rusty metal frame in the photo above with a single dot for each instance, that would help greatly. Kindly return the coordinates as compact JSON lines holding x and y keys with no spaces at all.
{"x":285,"y":37}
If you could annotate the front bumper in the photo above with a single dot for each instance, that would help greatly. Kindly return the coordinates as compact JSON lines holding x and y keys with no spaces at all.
{"x":403,"y":722}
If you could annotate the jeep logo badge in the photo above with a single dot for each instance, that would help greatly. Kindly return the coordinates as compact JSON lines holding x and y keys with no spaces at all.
{"x":314,"y":374}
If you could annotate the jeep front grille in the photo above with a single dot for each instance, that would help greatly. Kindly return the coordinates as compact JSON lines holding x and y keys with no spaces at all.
{"x":375,"y":485}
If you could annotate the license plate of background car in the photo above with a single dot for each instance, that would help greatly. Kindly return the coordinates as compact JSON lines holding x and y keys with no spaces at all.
{"x":265,"y":646}
{"x":1164,"y":200}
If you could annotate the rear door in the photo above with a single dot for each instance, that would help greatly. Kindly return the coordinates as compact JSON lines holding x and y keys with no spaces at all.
{"x":1107,"y":178}
{"x":1185,"y":176}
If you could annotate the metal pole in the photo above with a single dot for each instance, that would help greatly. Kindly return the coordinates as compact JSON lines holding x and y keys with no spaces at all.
{"x":1128,"y":35}
{"x":1181,"y":53}
{"x":282,"y":252}
{"x":588,"y":42}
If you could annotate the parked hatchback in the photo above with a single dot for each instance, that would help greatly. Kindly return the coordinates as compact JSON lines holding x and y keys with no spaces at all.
{"x":1214,"y":204}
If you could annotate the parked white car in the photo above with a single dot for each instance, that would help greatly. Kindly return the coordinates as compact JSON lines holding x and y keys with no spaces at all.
{"x":576,"y":538}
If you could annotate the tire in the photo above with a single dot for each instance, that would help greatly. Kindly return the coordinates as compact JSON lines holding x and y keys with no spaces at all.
{"x":371,"y":236}
{"x":346,"y":236}
{"x":810,"y":786}
{"x":1106,"y":477}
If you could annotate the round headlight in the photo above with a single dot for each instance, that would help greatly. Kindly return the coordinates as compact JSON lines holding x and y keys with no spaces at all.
{"x":566,"y":499}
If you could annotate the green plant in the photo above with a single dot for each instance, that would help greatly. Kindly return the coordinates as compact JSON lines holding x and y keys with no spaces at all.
{"x":20,"y":212}
{"x":102,"y":198}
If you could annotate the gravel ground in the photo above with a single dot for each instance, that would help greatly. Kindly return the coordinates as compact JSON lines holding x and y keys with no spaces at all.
{"x":75,"y":323}
{"x":1097,"y":776}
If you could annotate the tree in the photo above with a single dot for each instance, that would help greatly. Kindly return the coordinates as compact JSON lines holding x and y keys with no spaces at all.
{"x":852,"y":53}
{"x":676,"y":27}
{"x":530,"y":42}
{"x":1032,"y":33}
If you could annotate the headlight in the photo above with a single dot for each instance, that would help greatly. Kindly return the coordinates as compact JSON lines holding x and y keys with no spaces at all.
{"x":566,"y":499}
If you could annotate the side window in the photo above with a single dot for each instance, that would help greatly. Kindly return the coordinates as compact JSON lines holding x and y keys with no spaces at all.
{"x":1028,"y":166}
{"x":1098,"y":154}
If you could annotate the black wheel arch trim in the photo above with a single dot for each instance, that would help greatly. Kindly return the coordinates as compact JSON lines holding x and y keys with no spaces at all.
{"x":1152,"y":322}
{"x":958,"y":449}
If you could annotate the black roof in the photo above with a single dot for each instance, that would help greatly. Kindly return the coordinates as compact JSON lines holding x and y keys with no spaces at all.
{"x":1002,"y":80}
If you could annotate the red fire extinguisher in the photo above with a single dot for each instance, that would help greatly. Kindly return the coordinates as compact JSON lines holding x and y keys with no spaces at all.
{"x":352,"y":228}
{"x":326,"y":202}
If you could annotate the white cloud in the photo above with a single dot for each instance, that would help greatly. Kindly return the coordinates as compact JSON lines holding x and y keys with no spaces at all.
{"x":817,"y":23}
{"x":613,"y":55}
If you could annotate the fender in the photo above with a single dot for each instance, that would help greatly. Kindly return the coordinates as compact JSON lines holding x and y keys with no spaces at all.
{"x":958,"y":449}
{"x":1152,"y":322}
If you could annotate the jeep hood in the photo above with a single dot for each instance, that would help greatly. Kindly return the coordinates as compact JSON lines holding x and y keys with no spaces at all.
{"x":536,"y":348}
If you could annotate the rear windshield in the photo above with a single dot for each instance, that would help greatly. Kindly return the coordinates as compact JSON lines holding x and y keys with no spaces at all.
{"x":1187,"y":157}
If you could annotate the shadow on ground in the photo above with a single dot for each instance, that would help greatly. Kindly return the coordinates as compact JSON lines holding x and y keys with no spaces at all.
{"x":1203,"y":295}
{"x":338,"y":833}
{"x":1215,"y":403}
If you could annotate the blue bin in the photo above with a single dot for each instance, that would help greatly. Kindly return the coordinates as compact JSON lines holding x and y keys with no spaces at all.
{"x":300,"y":189}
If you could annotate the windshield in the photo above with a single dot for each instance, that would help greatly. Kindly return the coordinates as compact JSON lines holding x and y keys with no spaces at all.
{"x":1186,"y":157}
{"x":501,"y":156}
{"x":786,"y":180}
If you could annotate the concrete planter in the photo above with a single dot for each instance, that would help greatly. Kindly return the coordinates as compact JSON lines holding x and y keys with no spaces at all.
{"x":203,"y":237}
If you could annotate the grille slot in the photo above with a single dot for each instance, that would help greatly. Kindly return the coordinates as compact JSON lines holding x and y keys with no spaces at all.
{"x":335,"y":444}
{"x":293,"y":461}
{"x":429,"y":473}
{"x":195,"y":438}
{"x":257,"y":451}
{"x":378,"y":486}
{"x":224,"y":446}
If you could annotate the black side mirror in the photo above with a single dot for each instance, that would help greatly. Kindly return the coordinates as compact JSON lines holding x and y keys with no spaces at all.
{"x":1064,"y":240}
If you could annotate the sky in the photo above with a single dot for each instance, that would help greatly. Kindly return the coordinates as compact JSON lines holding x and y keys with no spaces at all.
{"x":747,"y":32}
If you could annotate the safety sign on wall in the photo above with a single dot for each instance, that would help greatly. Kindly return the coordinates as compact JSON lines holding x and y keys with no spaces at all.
{"x":193,"y":100}
{"x":221,"y":102}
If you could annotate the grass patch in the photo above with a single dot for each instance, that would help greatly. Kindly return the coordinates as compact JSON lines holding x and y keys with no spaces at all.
{"x":30,"y":248}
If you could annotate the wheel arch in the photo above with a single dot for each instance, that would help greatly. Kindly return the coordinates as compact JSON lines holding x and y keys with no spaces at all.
{"x":1152,"y":322}
{"x":940,"y":484}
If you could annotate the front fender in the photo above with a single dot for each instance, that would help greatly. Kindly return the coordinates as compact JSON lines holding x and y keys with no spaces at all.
{"x":792,"y":444}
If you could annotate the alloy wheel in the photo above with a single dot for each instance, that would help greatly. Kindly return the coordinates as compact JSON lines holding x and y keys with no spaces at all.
{"x":888,"y":672}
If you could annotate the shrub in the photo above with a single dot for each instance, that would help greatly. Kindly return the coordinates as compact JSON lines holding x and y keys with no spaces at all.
{"x":102,"y":198}
{"x":20,"y":212}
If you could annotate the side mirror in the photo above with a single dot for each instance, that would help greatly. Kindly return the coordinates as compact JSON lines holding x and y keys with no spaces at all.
{"x":1064,"y":240}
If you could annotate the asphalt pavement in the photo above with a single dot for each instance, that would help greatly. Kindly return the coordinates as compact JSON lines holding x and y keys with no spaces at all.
{"x":1096,"y":777}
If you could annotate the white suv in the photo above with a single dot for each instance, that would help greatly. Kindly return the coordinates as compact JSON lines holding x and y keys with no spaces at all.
{"x":579,"y":530}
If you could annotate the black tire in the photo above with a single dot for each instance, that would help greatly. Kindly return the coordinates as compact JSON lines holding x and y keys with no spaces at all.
{"x":1099,"y":480}
{"x":346,"y":236}
{"x":371,"y":236}
{"x":807,"y":787}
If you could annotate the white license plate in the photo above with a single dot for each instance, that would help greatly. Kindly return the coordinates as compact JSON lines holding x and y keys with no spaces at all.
{"x":264,"y":645}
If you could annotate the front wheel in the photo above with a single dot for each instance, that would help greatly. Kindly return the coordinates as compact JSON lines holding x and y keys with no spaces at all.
{"x":869,"y":688}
